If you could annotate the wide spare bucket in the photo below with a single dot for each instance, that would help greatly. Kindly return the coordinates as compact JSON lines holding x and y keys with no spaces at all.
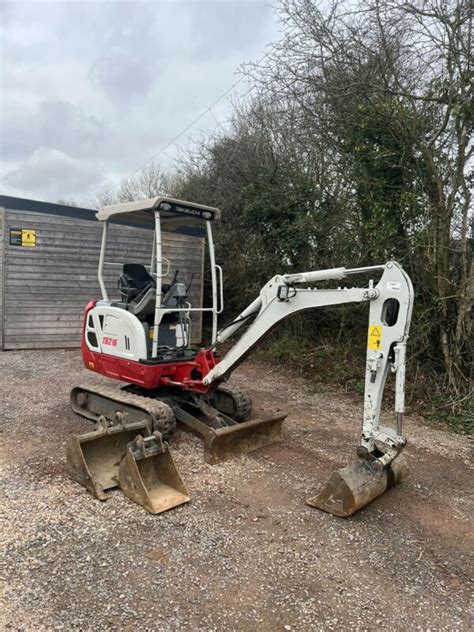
{"x":221,"y":444}
{"x":148,"y":476}
{"x":93,"y":458}
{"x":356,"y":485}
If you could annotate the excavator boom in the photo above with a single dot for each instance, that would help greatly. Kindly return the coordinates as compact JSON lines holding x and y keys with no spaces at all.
{"x":391,"y":305}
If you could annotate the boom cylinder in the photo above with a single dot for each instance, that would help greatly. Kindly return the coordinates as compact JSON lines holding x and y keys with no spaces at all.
{"x":315,"y":275}
{"x":228,"y":331}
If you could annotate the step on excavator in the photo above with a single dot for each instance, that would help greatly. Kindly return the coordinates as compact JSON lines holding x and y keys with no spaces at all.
{"x":143,"y":340}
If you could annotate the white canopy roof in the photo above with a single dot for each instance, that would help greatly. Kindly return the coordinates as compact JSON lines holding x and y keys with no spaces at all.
{"x":173,"y":213}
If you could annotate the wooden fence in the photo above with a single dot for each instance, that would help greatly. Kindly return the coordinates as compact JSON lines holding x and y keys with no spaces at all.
{"x":45,"y":287}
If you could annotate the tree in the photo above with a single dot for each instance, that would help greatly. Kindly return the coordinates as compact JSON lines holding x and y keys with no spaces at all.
{"x":355,"y":147}
{"x":389,"y":86}
{"x":148,"y":182}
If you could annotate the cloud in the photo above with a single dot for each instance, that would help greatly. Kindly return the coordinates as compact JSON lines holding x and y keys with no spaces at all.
{"x":48,"y":173}
{"x":232,"y":27}
{"x":101,"y":86}
{"x":128,"y":65}
{"x":58,"y":124}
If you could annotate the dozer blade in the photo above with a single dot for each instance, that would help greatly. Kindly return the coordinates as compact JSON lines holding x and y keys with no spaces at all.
{"x":352,"y":487}
{"x":221,"y":444}
{"x":225,"y":443}
{"x":148,"y":476}
{"x":93,"y":458}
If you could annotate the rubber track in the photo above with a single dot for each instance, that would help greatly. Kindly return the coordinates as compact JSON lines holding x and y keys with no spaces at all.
{"x":162,"y":415}
{"x":242,"y":399}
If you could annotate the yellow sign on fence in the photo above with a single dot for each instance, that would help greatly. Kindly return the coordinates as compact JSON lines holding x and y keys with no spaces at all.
{"x":28,"y":238}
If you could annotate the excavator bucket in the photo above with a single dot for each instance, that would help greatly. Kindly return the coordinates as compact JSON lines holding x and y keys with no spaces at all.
{"x":352,"y":487}
{"x":93,"y":458}
{"x":223,"y":443}
{"x":148,"y":476}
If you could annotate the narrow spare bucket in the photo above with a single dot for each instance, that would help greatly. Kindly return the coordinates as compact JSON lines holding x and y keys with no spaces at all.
{"x":148,"y":476}
{"x":221,"y":444}
{"x":93,"y":458}
{"x":352,"y":487}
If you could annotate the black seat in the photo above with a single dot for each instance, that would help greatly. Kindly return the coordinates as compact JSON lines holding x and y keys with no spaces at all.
{"x":135,"y":282}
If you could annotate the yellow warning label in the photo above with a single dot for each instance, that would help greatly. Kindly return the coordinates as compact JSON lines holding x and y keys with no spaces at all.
{"x":375,"y":337}
{"x":28,"y":238}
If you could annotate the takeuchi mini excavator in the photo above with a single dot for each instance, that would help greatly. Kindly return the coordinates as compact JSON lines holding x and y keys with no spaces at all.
{"x":143,"y":339}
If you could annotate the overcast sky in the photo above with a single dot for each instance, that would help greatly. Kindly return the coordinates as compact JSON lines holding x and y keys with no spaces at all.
{"x":90,"y":90}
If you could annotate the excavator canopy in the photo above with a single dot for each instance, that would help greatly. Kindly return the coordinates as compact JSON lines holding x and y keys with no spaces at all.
{"x":173,"y":213}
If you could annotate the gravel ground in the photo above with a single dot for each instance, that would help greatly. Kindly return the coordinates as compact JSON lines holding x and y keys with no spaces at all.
{"x":246,"y":553}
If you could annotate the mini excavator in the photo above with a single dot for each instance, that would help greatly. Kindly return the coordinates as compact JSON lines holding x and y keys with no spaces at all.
{"x":143,"y":340}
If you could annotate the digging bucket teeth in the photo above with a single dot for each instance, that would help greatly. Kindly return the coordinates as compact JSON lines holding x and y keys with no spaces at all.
{"x":148,"y":476}
{"x":356,"y":485}
{"x":93,"y":458}
{"x":221,"y":444}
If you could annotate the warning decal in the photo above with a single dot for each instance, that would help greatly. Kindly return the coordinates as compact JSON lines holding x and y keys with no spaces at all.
{"x":28,"y":238}
{"x":375,"y":337}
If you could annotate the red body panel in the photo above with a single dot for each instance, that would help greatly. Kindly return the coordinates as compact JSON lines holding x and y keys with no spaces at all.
{"x":149,"y":376}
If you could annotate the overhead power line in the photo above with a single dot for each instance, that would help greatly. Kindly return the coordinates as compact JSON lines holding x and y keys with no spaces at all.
{"x":188,"y":127}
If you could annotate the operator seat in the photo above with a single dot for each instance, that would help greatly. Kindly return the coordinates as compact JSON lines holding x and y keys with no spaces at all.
{"x":137,"y":288}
